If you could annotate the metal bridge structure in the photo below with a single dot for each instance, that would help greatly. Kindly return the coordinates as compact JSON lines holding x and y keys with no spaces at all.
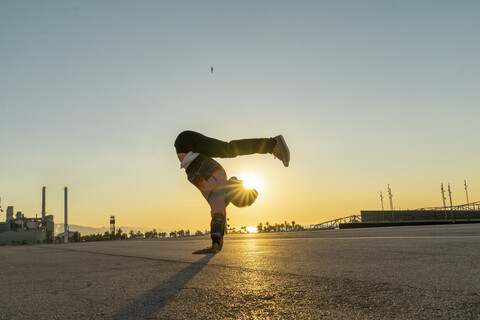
{"x":333,"y":224}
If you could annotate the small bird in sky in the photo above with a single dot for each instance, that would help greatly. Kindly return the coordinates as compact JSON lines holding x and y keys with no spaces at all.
{"x":211,"y":69}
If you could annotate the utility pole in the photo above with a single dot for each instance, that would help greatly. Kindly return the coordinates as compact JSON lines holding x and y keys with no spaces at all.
{"x":466,"y":191}
{"x":391,"y":201}
{"x":381,"y":200}
{"x":444,"y":205}
{"x":390,"y":196}
{"x":451,"y":205}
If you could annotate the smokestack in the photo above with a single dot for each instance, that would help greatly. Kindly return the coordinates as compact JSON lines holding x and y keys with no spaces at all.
{"x":43,"y":203}
{"x":65,"y":239}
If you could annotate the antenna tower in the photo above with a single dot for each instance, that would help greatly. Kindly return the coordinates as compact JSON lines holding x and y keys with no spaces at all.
{"x":390,"y":196}
{"x":450,"y":195}
{"x":443,"y":199}
{"x":451,"y":205}
{"x":466,"y":191}
{"x":112,"y":224}
{"x":381,"y":199}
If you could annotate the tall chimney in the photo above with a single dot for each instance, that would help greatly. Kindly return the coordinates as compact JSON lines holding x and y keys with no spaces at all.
{"x":43,"y":203}
{"x":65,"y":239}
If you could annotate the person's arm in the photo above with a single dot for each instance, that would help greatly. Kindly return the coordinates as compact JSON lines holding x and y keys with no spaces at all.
{"x":217,"y":230}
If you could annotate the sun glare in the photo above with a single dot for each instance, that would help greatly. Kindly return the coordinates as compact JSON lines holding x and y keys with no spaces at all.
{"x":251,"y":181}
{"x":252,"y":229}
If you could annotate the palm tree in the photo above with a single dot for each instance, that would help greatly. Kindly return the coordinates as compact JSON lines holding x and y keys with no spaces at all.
{"x":76,"y":236}
{"x":267,"y":226}
{"x":118,"y":235}
{"x":260,"y":227}
{"x":293,"y":225}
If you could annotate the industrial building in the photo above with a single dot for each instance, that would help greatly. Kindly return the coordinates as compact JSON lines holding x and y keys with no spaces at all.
{"x":20,"y":229}
{"x":466,"y":213}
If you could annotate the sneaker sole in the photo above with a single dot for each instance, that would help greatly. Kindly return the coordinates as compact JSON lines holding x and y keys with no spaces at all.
{"x":288,"y":151}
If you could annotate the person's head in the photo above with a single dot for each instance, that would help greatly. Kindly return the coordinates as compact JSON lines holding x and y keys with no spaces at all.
{"x":237,"y":194}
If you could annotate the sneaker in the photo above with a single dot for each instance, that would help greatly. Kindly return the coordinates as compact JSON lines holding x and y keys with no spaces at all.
{"x":280,"y":151}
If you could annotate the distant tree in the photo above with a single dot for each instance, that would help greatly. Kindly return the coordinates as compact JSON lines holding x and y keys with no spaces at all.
{"x":154,"y":233}
{"x":293,"y":225}
{"x":267,"y":227}
{"x":181,"y":233}
{"x":76,"y":237}
{"x":118,"y":235}
{"x":187,"y":233}
{"x":198,"y":233}
{"x":139,"y":234}
{"x":93,"y":237}
{"x":173,"y":234}
{"x":132,"y":234}
{"x":163,"y":234}
{"x":260,"y":227}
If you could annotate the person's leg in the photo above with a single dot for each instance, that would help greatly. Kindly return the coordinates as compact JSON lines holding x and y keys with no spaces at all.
{"x":197,"y":142}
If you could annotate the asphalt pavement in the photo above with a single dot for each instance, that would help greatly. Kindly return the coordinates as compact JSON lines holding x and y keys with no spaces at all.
{"x":416,"y":272}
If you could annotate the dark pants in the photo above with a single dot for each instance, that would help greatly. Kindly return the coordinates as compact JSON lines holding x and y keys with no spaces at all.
{"x":210,"y":147}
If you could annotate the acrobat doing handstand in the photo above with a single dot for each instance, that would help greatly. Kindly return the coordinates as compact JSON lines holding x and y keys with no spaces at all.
{"x":195,"y":152}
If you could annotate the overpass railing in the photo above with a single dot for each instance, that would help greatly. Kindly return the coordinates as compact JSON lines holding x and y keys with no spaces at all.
{"x":333,"y":224}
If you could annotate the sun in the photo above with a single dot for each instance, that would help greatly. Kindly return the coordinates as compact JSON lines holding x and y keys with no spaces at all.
{"x":252,"y":229}
{"x":251,"y":181}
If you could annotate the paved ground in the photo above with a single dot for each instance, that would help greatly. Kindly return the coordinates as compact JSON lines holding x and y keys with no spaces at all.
{"x":422,"y":272}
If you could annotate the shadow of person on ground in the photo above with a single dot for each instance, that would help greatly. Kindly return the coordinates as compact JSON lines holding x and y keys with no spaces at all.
{"x":151,"y":302}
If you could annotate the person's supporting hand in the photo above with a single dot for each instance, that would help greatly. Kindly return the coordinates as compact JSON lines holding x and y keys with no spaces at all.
{"x":212,"y":249}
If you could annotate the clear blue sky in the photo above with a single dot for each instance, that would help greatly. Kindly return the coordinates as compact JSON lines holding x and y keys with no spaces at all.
{"x":93,"y":94}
